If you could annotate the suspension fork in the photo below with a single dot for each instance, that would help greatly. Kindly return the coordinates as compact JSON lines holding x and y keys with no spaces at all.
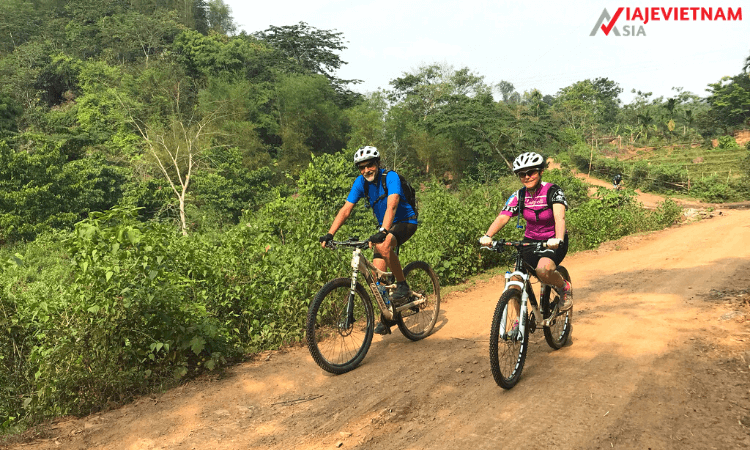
{"x":527,"y":297}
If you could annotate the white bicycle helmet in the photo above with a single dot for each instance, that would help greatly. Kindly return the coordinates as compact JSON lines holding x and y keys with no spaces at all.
{"x":528,"y":160}
{"x":365,"y":154}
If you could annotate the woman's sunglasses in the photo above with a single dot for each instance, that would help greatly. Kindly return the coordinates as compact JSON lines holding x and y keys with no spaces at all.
{"x":527,"y":173}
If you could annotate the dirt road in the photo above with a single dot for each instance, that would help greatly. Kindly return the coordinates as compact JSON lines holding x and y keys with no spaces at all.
{"x":659,"y":359}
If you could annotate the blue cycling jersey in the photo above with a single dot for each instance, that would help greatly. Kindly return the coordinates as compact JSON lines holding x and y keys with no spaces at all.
{"x":361,"y":189}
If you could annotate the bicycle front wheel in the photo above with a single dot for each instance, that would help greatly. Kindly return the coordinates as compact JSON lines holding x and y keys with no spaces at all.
{"x":339,"y":326}
{"x":417,"y":322}
{"x":558,"y":332}
{"x":507,"y":352}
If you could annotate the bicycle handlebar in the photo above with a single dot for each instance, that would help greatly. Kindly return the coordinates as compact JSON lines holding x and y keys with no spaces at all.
{"x":498,"y":246}
{"x":351,"y":242}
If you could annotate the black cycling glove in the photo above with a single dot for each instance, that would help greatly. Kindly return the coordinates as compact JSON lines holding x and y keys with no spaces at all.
{"x":378,"y":237}
{"x":327,"y":238}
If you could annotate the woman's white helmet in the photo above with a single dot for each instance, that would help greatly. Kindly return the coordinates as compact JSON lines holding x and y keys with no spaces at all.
{"x":528,"y":160}
{"x":365,"y":154}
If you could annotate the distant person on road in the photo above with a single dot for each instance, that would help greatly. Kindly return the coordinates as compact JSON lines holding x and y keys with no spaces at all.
{"x":616,"y":182}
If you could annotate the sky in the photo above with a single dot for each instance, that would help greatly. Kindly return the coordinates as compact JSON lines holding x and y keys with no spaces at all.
{"x":544,"y":45}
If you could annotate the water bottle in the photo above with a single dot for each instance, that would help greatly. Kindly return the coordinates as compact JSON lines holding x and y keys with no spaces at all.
{"x":383,"y":293}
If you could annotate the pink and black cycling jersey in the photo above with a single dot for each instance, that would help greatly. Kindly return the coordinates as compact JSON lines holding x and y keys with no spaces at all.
{"x":540,"y":221}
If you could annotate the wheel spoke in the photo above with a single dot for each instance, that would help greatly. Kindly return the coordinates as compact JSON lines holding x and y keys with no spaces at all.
{"x":417,"y":322}
{"x":507,"y":355}
{"x":339,"y":328}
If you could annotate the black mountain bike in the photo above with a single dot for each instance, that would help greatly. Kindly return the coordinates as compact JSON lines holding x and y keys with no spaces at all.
{"x":340,"y":319}
{"x":509,"y":343}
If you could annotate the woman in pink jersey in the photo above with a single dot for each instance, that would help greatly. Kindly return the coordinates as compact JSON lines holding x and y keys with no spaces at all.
{"x":543,"y":207}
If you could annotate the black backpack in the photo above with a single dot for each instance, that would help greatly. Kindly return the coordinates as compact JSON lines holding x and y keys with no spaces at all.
{"x":410,"y":194}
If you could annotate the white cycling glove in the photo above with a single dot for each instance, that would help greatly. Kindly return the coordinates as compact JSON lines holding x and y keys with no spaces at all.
{"x":485,"y":240}
{"x":553,"y":243}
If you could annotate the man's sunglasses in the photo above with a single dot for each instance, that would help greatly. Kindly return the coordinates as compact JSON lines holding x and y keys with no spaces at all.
{"x":366,"y":165}
{"x":527,"y":173}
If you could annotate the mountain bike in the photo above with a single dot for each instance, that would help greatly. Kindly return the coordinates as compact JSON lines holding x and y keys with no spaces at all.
{"x":509,"y":344}
{"x":340,"y":319}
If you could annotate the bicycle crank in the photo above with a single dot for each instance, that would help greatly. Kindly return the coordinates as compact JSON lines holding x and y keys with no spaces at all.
{"x":409,"y":305}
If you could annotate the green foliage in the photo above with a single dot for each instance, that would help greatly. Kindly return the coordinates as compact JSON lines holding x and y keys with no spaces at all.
{"x":730,"y":100}
{"x":728,"y":143}
{"x":132,"y":36}
{"x":310,"y":122}
{"x":302,"y":49}
{"x":711,"y":175}
{"x":41,"y":190}
{"x":224,"y":192}
{"x":10,"y":111}
{"x":614,"y":214}
{"x":451,"y":224}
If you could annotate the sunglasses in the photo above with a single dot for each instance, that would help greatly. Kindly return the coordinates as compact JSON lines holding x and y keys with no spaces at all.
{"x":527,"y":173}
{"x":365,"y":166}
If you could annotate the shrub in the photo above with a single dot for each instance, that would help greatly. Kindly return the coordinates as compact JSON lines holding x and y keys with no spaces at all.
{"x":727,"y":143}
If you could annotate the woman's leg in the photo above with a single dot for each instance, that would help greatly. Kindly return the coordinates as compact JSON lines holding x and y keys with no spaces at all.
{"x":547,"y":273}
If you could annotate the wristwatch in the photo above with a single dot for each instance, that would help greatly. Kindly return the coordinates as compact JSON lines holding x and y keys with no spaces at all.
{"x":383,"y":230}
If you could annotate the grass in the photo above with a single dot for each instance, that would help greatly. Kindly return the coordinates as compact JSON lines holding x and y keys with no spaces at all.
{"x":715,"y":161}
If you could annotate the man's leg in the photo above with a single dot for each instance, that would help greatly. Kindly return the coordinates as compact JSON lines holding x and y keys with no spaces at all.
{"x":382,"y":263}
{"x":390,"y":258}
{"x":387,"y":250}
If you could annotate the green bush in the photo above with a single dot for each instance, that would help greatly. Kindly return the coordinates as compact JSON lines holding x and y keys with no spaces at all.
{"x":40,"y":190}
{"x":614,"y":214}
{"x":727,"y":143}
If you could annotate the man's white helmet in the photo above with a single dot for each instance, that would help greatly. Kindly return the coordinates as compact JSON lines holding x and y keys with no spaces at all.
{"x":365,"y":154}
{"x":528,"y":160}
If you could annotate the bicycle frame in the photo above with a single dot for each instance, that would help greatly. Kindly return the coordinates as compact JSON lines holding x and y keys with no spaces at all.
{"x":361,"y":264}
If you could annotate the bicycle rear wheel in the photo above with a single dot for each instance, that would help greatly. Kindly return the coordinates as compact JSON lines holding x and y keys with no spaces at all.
{"x":507,"y":355}
{"x":339,"y":328}
{"x":558,"y":332}
{"x":417,"y":322}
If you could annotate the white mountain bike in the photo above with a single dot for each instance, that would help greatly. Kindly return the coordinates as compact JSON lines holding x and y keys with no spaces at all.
{"x":509,"y":344}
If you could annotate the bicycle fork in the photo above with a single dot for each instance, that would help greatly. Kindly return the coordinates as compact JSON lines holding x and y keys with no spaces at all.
{"x":523,"y":314}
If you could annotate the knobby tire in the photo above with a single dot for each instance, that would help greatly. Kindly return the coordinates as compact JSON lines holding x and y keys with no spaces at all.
{"x":507,"y":356}
{"x":338,"y":341}
{"x":558,"y":333}
{"x":417,"y":323}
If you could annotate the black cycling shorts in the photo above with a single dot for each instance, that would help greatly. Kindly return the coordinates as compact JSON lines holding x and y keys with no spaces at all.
{"x":531,"y":255}
{"x":402,"y":231}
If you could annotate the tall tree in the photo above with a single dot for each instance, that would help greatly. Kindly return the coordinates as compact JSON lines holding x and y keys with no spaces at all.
{"x":220,"y":18}
{"x":730,"y":101}
{"x":309,"y":50}
{"x":508,"y":92}
{"x":133,"y":36}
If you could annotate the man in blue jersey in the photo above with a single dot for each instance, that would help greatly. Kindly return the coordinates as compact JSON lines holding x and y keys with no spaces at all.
{"x":397,"y":219}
